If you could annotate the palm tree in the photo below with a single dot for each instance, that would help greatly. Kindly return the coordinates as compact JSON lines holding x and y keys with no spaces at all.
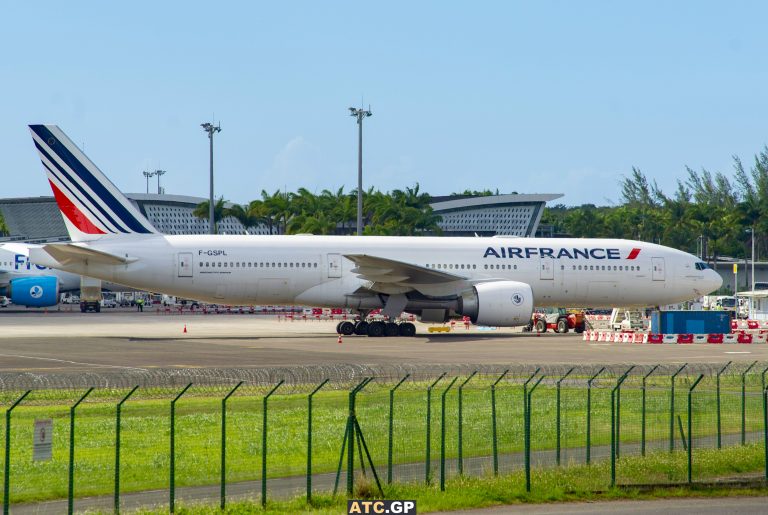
{"x":278,"y":207}
{"x":202,"y":211}
{"x":4,"y":230}
{"x":245,"y":215}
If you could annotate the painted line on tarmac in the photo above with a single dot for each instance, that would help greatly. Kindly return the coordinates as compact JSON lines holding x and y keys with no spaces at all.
{"x":71,"y":362}
{"x":738,"y":352}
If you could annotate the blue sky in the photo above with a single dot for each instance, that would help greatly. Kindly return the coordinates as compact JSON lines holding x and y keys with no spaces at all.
{"x":533,"y":97}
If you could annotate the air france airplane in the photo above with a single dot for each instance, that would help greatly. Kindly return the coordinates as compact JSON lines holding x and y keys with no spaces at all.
{"x":27,"y":284}
{"x":494,"y":281}
{"x":32,"y":285}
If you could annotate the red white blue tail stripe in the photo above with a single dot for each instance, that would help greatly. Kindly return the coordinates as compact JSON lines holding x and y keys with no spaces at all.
{"x":92,"y":206}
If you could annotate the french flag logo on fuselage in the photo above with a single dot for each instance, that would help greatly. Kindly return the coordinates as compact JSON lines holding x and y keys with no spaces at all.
{"x":90,"y":203}
{"x":633,"y":253}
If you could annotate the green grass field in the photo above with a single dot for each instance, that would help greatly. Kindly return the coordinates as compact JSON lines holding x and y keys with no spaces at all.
{"x":145,"y":430}
{"x":576,"y":483}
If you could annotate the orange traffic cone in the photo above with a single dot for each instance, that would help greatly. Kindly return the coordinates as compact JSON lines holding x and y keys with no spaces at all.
{"x":339,"y":339}
{"x":185,"y":328}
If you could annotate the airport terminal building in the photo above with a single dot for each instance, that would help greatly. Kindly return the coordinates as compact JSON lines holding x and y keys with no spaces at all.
{"x":38,"y":219}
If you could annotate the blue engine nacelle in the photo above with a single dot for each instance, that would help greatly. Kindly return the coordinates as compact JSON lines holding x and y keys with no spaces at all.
{"x":36,"y":292}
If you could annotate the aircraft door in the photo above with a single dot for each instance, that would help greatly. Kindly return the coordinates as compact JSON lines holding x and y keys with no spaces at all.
{"x":546,"y":268}
{"x":657,"y":271}
{"x":185,"y":264}
{"x":334,"y":265}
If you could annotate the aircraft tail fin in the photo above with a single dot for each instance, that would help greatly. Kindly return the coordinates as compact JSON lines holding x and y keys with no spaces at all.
{"x":92,"y":207}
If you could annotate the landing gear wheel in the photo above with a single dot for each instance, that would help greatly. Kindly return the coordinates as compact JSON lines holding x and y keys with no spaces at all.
{"x":579,"y":328}
{"x":562,"y":326}
{"x":361,"y":328}
{"x":97,"y":309}
{"x":407,"y":329}
{"x":347,"y":328}
{"x":376,"y":329}
{"x":391,"y":329}
{"x":338,"y":328}
{"x":541,"y":326}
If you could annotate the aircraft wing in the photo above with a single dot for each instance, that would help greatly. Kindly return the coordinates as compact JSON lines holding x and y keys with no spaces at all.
{"x":392,"y":277}
{"x":72,"y":253}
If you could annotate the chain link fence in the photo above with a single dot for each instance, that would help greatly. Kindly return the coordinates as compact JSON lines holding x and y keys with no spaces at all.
{"x":282,"y":432}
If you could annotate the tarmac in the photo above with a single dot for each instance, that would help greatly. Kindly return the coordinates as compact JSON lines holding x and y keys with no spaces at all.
{"x":62,"y":341}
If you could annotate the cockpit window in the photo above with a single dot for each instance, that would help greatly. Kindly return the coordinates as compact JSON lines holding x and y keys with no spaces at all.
{"x":701,"y":266}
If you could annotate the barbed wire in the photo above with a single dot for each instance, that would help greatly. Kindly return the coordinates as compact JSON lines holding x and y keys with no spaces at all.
{"x":297,"y":379}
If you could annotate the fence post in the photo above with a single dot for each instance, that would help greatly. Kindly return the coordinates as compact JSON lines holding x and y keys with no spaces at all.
{"x":428,"y":472}
{"x":744,"y":402}
{"x":391,"y":427}
{"x":557,"y":424}
{"x":223,"y":493}
{"x":527,"y":423}
{"x":349,"y":433}
{"x":461,"y":422}
{"x":719,"y":426}
{"x":493,"y":424}
{"x":672,"y":408}
{"x":172,"y":488}
{"x":7,"y":475}
{"x":71,"y":474}
{"x":690,"y":427}
{"x":442,"y":435}
{"x":589,"y":414}
{"x":613,"y":436}
{"x":618,"y":409}
{"x":118,"y":415}
{"x":762,"y":378}
{"x":309,"y":440}
{"x":264,"y":443}
{"x":765,"y":429}
{"x":642,"y":408}
{"x":525,"y":386}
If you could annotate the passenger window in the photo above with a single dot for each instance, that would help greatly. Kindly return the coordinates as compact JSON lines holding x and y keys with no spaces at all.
{"x":474,"y":267}
{"x":485,"y":266}
{"x":279,"y":265}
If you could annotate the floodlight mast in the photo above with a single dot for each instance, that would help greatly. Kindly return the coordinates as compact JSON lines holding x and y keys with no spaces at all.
{"x":359,"y":114}
{"x":159,"y":174}
{"x":211,"y":130}
{"x":148,"y":175}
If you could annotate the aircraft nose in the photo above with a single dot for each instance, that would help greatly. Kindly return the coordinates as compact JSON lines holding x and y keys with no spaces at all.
{"x":713,"y":281}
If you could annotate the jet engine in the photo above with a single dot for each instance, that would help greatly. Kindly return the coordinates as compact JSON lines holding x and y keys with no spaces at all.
{"x":499,"y":303}
{"x":36,"y":292}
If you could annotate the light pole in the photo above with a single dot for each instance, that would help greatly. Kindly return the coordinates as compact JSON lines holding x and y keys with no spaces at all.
{"x":211,"y":130}
{"x":159,"y":173}
{"x":360,"y":114}
{"x":148,"y":175}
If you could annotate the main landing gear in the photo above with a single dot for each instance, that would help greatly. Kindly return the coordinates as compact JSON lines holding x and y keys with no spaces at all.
{"x":375,"y":328}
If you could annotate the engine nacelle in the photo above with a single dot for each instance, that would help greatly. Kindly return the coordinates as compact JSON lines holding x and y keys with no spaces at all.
{"x":37,"y":292}
{"x":499,"y":303}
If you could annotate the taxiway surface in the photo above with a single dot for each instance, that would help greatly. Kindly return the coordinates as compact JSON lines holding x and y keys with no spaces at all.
{"x":69,"y":342}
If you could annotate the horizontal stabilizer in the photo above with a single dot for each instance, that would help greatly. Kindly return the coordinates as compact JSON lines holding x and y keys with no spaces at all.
{"x":72,"y":253}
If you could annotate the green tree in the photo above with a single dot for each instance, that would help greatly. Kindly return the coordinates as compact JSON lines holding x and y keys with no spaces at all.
{"x":202,"y":211}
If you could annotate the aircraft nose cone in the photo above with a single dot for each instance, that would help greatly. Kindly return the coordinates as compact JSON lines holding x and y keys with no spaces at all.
{"x":714,"y":281}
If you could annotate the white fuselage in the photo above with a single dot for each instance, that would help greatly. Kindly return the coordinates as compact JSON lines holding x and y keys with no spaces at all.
{"x":311,"y":270}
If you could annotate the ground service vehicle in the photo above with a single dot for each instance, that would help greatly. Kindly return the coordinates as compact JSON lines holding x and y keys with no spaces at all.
{"x":559,"y":320}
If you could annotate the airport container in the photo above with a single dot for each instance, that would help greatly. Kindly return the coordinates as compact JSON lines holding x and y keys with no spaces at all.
{"x":690,"y":322}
